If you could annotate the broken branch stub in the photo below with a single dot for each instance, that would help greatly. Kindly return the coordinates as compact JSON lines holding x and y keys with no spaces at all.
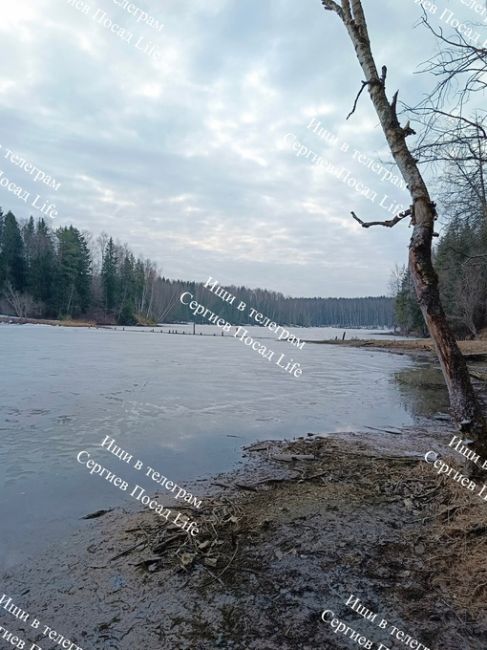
{"x":390,"y":223}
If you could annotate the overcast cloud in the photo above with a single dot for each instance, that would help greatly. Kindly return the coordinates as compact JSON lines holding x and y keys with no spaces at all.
{"x":186,"y":157}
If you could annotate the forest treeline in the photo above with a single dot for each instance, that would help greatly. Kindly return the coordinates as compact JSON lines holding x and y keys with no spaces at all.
{"x":461,"y":253}
{"x":66,"y":273}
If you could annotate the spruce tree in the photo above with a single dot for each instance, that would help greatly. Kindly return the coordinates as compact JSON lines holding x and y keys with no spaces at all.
{"x":43,"y":268}
{"x":12,"y":260}
{"x":127,"y":290}
{"x":109,"y":275}
{"x":73,"y":278}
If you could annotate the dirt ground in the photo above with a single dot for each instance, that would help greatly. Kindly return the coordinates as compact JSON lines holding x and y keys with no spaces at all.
{"x":296,"y":530}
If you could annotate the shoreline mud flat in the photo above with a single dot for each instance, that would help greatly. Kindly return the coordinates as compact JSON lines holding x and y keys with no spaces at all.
{"x":294,"y":531}
{"x":472,"y":349}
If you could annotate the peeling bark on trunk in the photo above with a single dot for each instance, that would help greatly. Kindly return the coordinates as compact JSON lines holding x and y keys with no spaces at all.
{"x":464,"y":403}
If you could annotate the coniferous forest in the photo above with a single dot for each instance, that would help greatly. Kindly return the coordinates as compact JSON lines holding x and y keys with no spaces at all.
{"x":66,"y":273}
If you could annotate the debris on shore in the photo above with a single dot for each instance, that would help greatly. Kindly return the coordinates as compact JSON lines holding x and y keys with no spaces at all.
{"x":301,"y":526}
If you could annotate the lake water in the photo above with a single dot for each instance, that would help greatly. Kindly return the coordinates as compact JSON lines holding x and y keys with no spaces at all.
{"x":174,"y":401}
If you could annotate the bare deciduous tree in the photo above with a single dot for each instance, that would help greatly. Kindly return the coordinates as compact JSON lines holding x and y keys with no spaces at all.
{"x":458,"y":71}
{"x":464,"y":403}
{"x":21,"y":303}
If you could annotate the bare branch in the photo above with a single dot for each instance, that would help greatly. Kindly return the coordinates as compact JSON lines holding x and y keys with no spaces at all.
{"x":462,"y":63}
{"x":387,"y":224}
{"x":22,"y":303}
{"x":331,"y":5}
{"x":364,"y":84}
{"x":381,"y":81}
{"x":472,"y":258}
{"x":461,"y":118}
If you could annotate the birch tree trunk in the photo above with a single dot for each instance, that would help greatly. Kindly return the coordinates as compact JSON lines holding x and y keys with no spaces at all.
{"x":464,"y":403}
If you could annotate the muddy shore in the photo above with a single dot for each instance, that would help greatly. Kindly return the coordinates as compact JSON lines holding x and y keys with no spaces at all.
{"x":409,"y":346}
{"x":294,"y":531}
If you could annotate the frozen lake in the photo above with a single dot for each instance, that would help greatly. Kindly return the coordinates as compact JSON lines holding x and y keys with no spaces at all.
{"x":176,"y":402}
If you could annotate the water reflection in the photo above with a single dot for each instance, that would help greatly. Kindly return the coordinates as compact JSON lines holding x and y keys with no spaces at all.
{"x":423,"y":389}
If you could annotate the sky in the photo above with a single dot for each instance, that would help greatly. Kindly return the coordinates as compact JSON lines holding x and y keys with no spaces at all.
{"x":185,"y":132}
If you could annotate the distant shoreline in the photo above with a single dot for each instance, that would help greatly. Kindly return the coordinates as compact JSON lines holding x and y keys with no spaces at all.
{"x":16,"y":320}
{"x":393,"y":345}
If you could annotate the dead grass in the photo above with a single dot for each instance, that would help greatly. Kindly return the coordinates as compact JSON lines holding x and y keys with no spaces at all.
{"x":409,"y":345}
{"x":459,"y":535}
